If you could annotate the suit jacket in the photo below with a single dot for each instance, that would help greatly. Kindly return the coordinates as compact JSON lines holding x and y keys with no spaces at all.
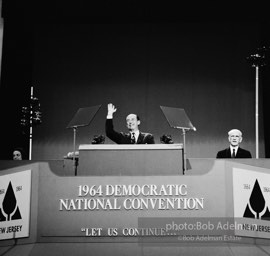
{"x":241,"y":153}
{"x":125,"y":138}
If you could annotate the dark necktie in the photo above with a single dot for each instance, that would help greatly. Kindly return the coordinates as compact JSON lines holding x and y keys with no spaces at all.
{"x":233,"y":154}
{"x":133,"y":138}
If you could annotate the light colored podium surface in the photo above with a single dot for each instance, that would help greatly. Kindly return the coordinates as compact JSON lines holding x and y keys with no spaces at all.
{"x":110,"y":147}
{"x":125,"y":214}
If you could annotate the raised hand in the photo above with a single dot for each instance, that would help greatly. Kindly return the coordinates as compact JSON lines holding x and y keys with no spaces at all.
{"x":111,"y":109}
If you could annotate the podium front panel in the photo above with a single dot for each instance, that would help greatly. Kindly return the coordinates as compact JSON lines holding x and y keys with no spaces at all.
{"x":157,"y":159}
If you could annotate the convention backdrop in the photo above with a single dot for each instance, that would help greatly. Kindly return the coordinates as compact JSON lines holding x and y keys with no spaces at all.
{"x":138,"y":66}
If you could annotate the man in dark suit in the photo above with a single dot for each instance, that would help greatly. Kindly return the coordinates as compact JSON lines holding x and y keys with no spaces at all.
{"x":133,"y":137}
{"x":234,"y":151}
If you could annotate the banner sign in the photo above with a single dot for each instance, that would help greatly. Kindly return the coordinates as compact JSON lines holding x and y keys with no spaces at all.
{"x":15,"y":192}
{"x":251,"y":191}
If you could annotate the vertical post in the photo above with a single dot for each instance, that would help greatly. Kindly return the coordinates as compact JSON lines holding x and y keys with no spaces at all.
{"x":74,"y":146}
{"x":257,"y":112}
{"x":184,"y":152}
{"x":31,"y":124}
{"x":257,"y":60}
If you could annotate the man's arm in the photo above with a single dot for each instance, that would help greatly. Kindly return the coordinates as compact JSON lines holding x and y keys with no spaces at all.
{"x":110,"y":132}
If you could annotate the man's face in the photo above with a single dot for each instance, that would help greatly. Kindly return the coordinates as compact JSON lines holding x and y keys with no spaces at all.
{"x":132,"y":122}
{"x":17,"y":155}
{"x":235,"y":139}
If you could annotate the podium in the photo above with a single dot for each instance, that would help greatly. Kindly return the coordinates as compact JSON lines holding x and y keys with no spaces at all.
{"x":146,"y":159}
{"x":112,"y":214}
{"x":106,"y":214}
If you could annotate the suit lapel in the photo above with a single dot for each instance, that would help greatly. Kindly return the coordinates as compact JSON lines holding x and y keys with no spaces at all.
{"x":140,"y":139}
{"x":228,"y":153}
{"x":127,"y":138}
{"x":239,"y":153}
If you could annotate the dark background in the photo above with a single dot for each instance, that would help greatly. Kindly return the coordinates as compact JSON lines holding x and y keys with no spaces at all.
{"x":137,"y":55}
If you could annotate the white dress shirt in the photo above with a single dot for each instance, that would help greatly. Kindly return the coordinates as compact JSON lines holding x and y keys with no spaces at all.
{"x":136,"y":135}
{"x":234,"y":148}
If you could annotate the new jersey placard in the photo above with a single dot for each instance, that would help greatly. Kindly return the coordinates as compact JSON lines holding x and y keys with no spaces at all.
{"x":251,"y":191}
{"x":15,"y":191}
